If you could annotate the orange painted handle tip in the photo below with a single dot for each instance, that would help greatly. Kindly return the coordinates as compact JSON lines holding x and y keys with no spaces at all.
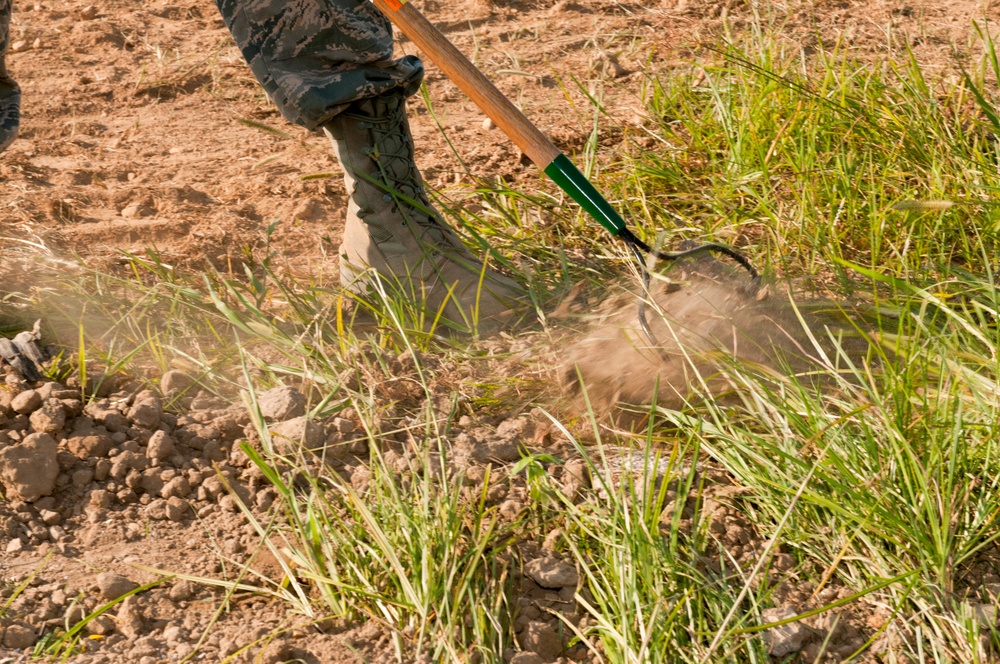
{"x":395,"y":5}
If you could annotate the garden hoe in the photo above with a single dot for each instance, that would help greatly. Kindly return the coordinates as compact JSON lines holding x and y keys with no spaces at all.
{"x":706,"y":320}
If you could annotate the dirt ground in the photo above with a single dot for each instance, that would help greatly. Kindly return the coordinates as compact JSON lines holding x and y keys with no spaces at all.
{"x":135,"y":137}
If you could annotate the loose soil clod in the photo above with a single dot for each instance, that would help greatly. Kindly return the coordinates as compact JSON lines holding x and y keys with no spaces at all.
{"x":122,"y":482}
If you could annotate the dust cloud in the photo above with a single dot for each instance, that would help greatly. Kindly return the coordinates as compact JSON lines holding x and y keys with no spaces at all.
{"x":701,"y":324}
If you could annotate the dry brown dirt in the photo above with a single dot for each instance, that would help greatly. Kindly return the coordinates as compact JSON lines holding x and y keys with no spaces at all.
{"x":135,"y":138}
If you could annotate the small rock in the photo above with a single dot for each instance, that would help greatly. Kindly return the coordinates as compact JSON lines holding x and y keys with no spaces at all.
{"x":129,"y":618}
{"x":181,"y":591}
{"x":196,"y":436}
{"x":215,"y":450}
{"x":84,"y":447}
{"x":49,"y":418}
{"x":503,"y":451}
{"x":288,"y":435}
{"x":174,"y":633}
{"x":113,"y":585}
{"x":229,"y":504}
{"x":18,"y":46}
{"x":526,"y":657}
{"x":74,"y":614}
{"x":211,"y":488}
{"x":115,"y":422}
{"x":146,"y":410}
{"x":126,"y":461}
{"x":73,"y":407}
{"x":178,"y":487}
{"x":511,"y":509}
{"x":88,"y":13}
{"x":160,"y":446}
{"x":549,"y":572}
{"x":101,"y":498}
{"x":516,"y":427}
{"x":335,"y":447}
{"x":101,"y":625}
{"x":205,"y":401}
{"x":175,"y":382}
{"x":343,"y":426}
{"x":144,"y":207}
{"x":157,"y":509}
{"x":15,"y":545}
{"x":50,"y":517}
{"x":785,"y":639}
{"x":489,"y":124}
{"x":782,"y":562}
{"x":541,"y":638}
{"x":6,"y":397}
{"x":102,"y":469}
{"x":26,"y":402}
{"x":152,"y":482}
{"x":55,"y":390}
{"x":19,"y":636}
{"x":28,"y":470}
{"x":82,"y":477}
{"x":232,"y":546}
{"x":264,"y":499}
{"x":177,"y":509}
{"x":361,"y":479}
{"x":281,"y":403}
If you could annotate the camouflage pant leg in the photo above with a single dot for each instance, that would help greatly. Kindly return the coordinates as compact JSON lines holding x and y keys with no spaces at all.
{"x":313,"y":57}
{"x":10,"y":94}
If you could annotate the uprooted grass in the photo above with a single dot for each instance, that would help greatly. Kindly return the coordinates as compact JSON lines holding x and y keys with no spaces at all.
{"x":883,"y":485}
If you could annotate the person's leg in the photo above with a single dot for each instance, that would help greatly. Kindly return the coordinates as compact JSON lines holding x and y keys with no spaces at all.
{"x":393,"y":230}
{"x":10,"y":94}
{"x":328,"y":64}
{"x":313,"y":57}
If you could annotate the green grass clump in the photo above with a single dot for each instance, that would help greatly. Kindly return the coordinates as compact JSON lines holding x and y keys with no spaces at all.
{"x":812,"y":160}
{"x":409,"y":553}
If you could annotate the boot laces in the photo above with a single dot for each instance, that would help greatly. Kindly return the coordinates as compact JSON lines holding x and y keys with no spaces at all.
{"x":393,"y":154}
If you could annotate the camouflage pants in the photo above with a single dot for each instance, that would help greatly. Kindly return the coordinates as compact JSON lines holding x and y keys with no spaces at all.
{"x":313,"y":57}
{"x":10,"y":94}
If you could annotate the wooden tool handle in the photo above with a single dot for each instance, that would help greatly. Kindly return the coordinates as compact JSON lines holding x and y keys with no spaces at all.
{"x":471,"y":81}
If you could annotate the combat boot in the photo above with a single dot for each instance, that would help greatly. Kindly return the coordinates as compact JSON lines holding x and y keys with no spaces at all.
{"x":392,"y":231}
